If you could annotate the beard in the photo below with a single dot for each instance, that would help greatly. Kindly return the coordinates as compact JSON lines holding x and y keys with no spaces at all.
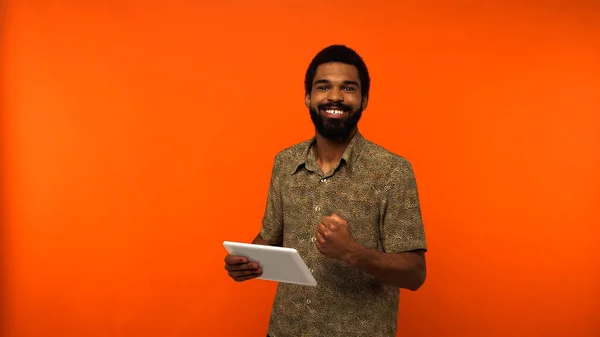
{"x":335,"y":129}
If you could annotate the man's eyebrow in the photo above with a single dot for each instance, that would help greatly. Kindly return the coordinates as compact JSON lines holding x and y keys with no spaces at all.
{"x":345,"y":82}
{"x":322,"y":82}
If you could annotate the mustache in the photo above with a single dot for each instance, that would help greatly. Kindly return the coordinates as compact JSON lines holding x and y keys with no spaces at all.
{"x":339,"y":106}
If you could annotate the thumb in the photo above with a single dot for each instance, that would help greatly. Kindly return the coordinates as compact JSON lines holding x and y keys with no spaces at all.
{"x":336,"y":218}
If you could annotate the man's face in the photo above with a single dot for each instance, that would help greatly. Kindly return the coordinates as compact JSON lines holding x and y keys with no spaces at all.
{"x":335,"y":102}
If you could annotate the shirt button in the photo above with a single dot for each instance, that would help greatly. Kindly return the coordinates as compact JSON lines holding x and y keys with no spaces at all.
{"x":313,"y":239}
{"x":318,"y":208}
{"x":307,"y":301}
{"x":323,"y":180}
{"x":310,"y":270}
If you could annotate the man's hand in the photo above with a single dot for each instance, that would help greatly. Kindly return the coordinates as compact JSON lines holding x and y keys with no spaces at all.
{"x":334,"y":238}
{"x":240,"y":269}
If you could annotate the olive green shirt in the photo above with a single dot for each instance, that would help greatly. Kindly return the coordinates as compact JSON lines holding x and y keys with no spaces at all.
{"x":375,"y":191}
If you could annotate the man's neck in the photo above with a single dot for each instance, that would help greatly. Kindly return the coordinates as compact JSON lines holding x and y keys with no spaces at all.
{"x":329,"y":152}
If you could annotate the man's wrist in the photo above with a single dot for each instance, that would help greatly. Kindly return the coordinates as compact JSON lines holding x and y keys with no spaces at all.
{"x":354,"y":255}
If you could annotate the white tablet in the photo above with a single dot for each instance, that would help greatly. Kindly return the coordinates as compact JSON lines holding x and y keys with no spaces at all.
{"x":279,"y":264}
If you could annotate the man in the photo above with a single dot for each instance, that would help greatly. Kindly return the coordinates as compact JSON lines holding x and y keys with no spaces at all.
{"x":349,"y":207}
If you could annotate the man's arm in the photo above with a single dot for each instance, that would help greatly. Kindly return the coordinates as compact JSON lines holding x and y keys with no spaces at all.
{"x":405,"y":270}
{"x":271,"y":232}
{"x":238,"y":267}
{"x":402,"y":261}
{"x":258,"y":240}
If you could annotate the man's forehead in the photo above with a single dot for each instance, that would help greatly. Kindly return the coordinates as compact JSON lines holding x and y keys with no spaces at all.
{"x":336,"y":71}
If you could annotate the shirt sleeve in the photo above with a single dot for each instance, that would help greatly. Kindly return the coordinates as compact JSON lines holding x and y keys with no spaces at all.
{"x":402,"y":226}
{"x":272,"y":222}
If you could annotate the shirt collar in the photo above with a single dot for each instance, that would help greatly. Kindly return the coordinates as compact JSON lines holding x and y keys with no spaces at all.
{"x":307,"y":158}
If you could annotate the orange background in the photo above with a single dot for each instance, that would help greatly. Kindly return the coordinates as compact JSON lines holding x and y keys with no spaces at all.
{"x":137,"y":136}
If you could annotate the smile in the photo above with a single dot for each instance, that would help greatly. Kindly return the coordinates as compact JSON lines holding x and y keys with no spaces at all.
{"x":334,"y":112}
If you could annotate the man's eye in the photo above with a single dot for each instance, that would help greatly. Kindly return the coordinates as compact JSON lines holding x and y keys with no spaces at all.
{"x":349,"y":89}
{"x":322,"y":87}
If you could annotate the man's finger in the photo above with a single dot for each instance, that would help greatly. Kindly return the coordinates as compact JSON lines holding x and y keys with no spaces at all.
{"x":320,"y":238}
{"x":322,"y":229}
{"x":318,"y":245}
{"x":331,"y":225}
{"x":241,"y":273}
{"x":246,"y":277}
{"x":328,"y":222}
{"x":245,"y":266}
{"x":336,"y":222}
{"x":336,"y":218}
{"x":233,"y":259}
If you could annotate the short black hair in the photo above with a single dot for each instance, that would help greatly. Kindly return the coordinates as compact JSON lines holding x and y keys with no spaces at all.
{"x":338,"y":53}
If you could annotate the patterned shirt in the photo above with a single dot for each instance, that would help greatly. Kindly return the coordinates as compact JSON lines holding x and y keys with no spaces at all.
{"x":372,"y":189}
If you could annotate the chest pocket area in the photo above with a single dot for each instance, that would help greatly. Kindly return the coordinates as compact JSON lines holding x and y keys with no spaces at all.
{"x":299,"y":218}
{"x":361,"y":210}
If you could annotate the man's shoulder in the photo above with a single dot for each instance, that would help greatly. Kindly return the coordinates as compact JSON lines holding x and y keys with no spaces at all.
{"x":379,"y":156}
{"x":295,"y":151}
{"x":291,"y":156}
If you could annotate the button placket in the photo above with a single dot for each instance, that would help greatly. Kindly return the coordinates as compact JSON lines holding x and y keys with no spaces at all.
{"x":320,"y":189}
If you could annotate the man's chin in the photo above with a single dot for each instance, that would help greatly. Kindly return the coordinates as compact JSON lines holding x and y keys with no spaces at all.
{"x":334,"y":133}
{"x":332,"y":128}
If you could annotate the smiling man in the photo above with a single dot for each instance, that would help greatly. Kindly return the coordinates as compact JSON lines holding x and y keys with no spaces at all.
{"x":350,"y":208}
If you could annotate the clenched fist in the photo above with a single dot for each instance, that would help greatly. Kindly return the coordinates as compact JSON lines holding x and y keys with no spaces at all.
{"x":334,"y":238}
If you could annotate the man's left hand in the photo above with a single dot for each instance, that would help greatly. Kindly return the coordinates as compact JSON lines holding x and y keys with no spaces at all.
{"x":334,"y":239}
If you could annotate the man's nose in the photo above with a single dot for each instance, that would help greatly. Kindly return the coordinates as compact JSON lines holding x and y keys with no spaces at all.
{"x":335,"y":95}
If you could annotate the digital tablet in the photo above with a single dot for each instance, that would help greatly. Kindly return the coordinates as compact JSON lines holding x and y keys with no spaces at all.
{"x":279,"y":264}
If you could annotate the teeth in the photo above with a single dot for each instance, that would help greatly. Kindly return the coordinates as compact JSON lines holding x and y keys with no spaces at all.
{"x":334,"y":112}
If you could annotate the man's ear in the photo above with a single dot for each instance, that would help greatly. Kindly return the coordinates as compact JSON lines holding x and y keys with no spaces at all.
{"x":365,"y":102}
{"x":307,"y":100}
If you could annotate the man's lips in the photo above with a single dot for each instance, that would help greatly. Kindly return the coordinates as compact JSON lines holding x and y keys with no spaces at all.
{"x":333,"y":111}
